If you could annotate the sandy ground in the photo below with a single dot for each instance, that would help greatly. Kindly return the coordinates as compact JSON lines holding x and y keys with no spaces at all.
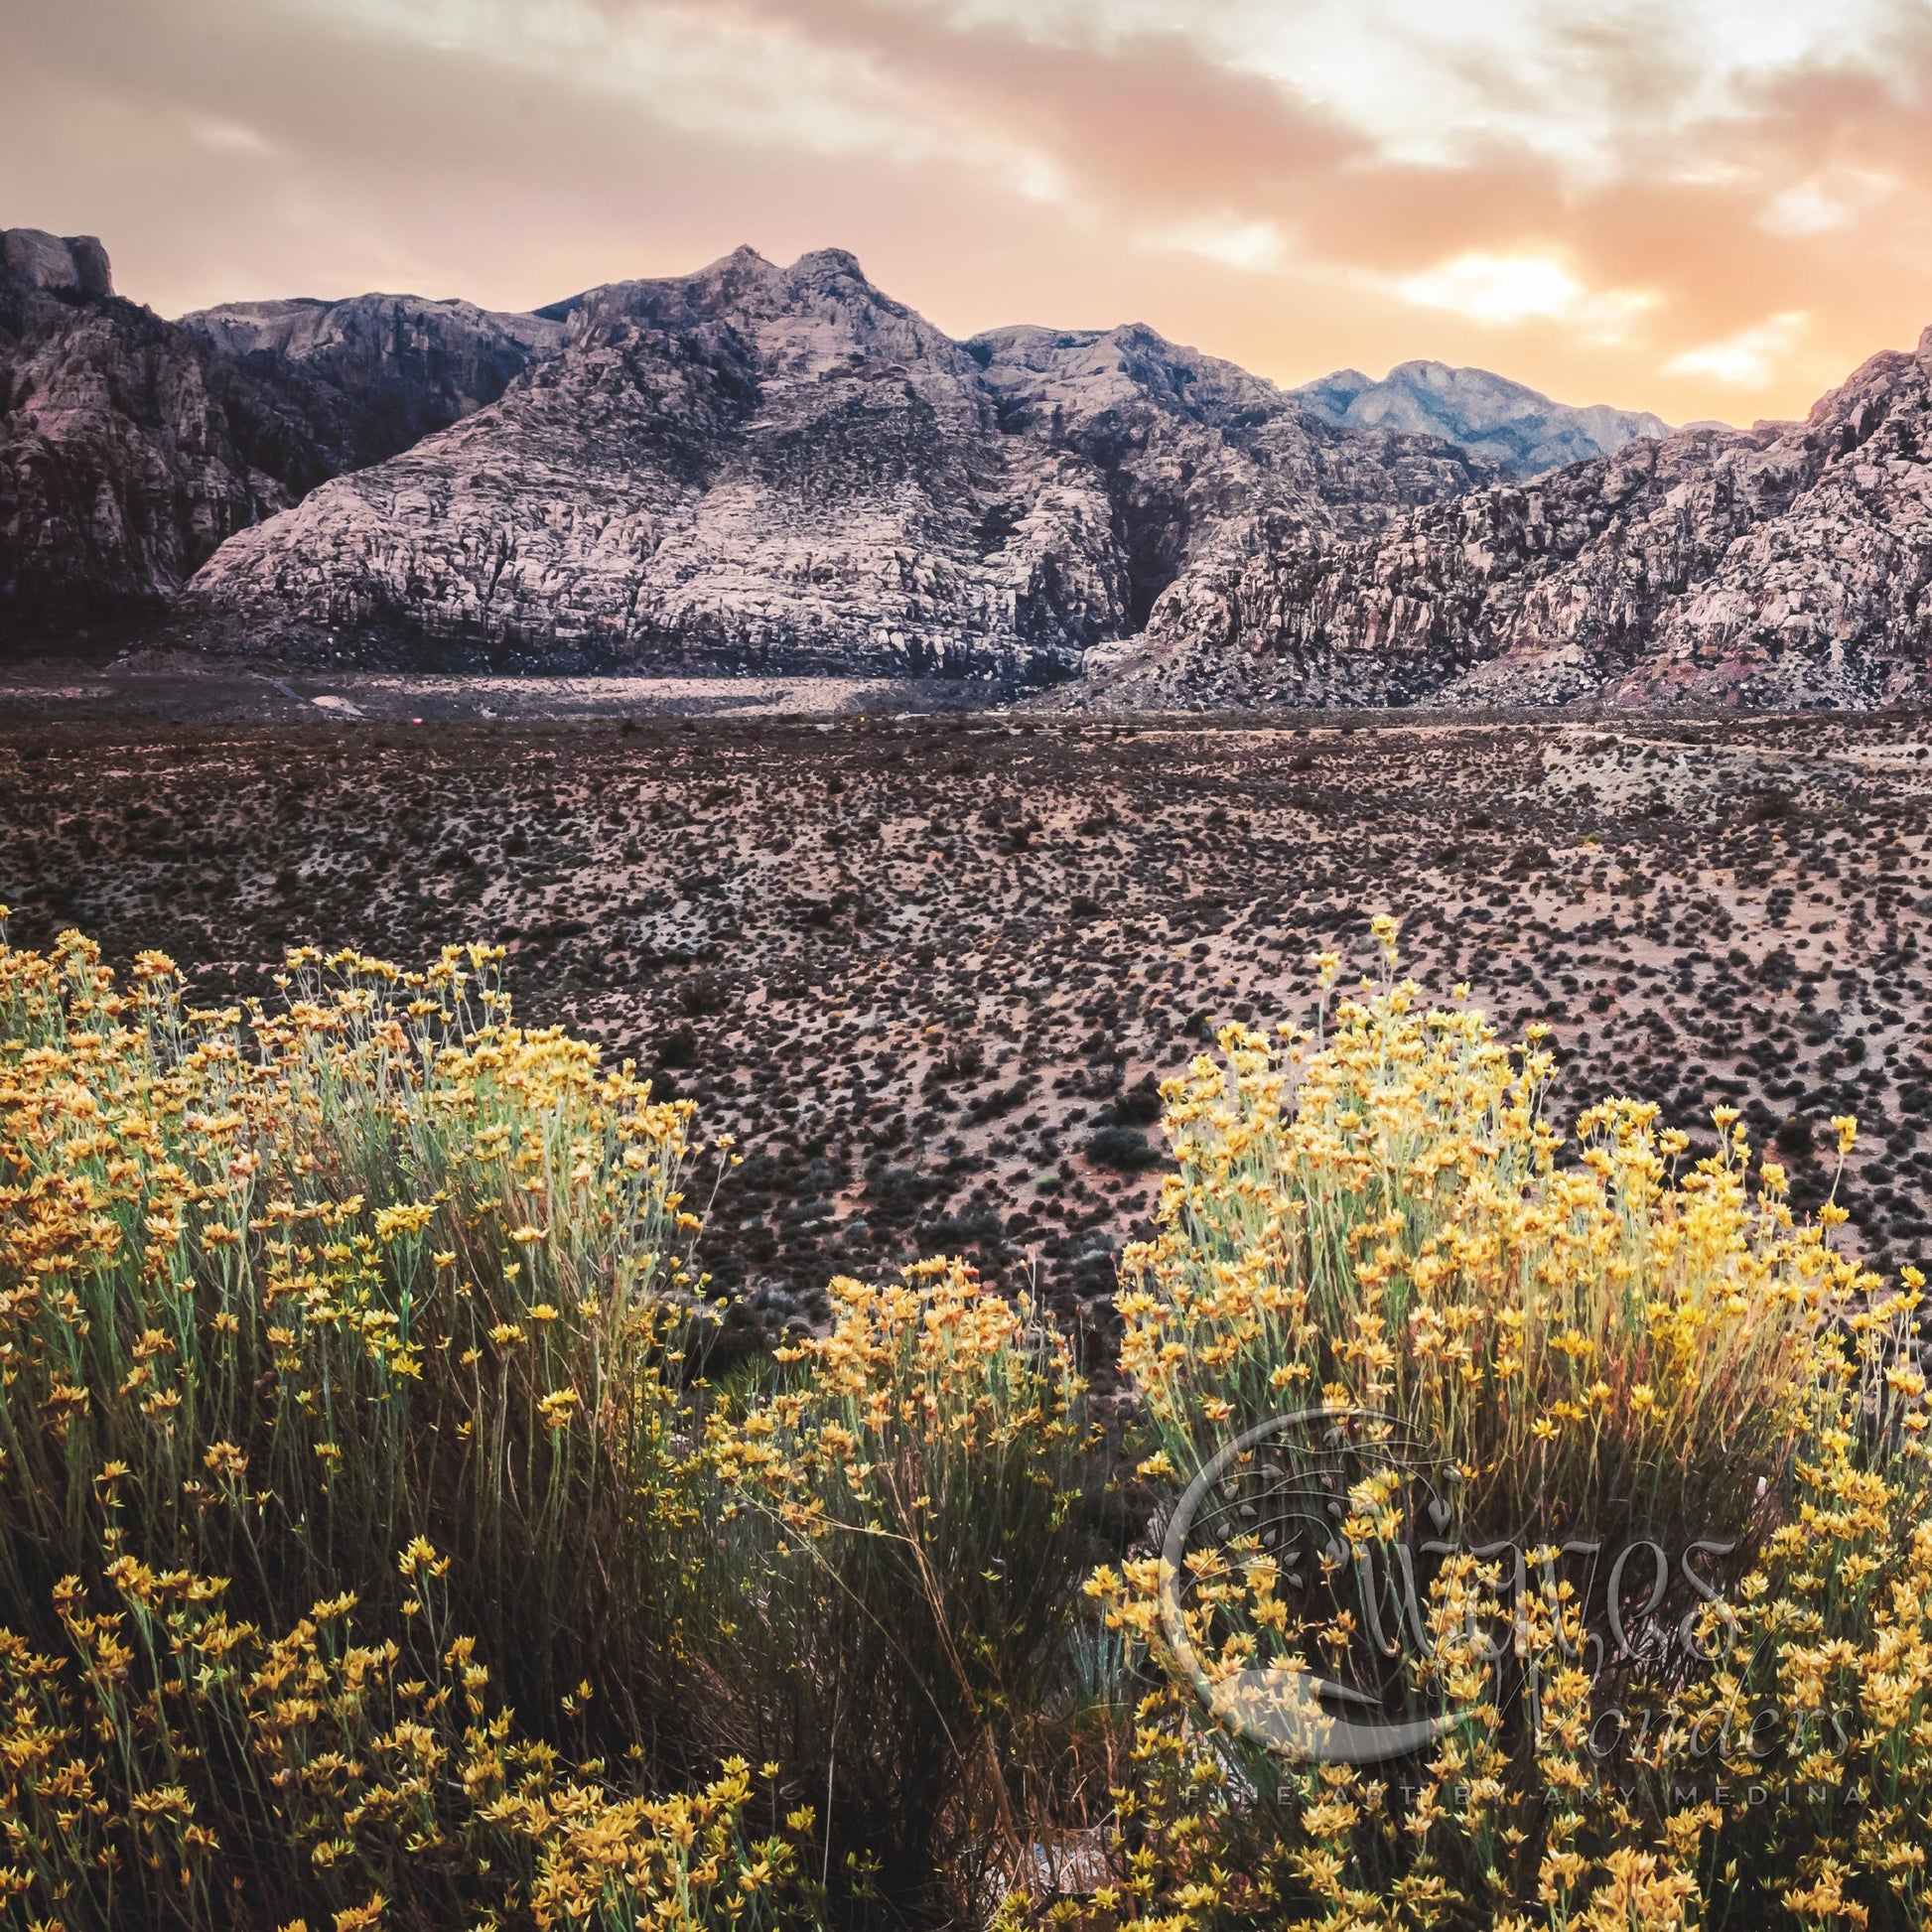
{"x":177,"y":687}
{"x":926,"y":968}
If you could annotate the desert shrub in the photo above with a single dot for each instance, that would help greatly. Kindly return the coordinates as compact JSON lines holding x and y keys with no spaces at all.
{"x":168,"y":1765}
{"x":1378,"y":1224}
{"x":1378,"y":1219}
{"x":374,"y":1551}
{"x":901,"y":1573}
{"x":1784,"y":1780}
{"x":346,"y":1369}
{"x":288,"y":1287}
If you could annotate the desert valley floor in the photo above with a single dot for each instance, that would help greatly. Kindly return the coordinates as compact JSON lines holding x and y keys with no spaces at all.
{"x":926,"y":969}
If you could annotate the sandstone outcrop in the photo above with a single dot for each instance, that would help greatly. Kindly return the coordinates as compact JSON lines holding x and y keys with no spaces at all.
{"x":131,"y":447}
{"x":1200,"y":457}
{"x":338,"y":385}
{"x":1782,"y":566}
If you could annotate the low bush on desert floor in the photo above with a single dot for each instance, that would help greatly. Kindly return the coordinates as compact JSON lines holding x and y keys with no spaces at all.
{"x":384,"y":1543}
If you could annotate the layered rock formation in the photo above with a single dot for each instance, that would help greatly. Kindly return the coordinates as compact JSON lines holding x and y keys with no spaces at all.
{"x":786,"y":467}
{"x":119,"y":470}
{"x":131,"y":447}
{"x":1521,"y":432}
{"x":355,"y":381}
{"x":1201,"y":460}
{"x":1784,"y":565}
{"x":757,"y":464}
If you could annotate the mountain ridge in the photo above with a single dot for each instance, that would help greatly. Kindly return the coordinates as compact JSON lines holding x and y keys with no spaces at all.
{"x":787,"y":468}
{"x":1518,"y":429}
{"x":1784,"y":565}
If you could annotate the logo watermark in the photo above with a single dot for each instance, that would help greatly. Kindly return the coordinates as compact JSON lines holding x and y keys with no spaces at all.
{"x":1327,"y":1532}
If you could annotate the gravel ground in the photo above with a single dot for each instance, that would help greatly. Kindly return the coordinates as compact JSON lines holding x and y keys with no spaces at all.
{"x":927,"y":968}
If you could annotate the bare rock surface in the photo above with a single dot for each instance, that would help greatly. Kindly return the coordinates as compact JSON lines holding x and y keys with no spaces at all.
{"x":75,"y":265}
{"x":1781,"y":566}
{"x":785,"y":470}
{"x":1201,"y":458}
{"x":786,"y":467}
{"x":777,"y":465}
{"x":119,"y":467}
{"x":131,"y":447}
{"x":1516,"y":428}
{"x":355,"y":381}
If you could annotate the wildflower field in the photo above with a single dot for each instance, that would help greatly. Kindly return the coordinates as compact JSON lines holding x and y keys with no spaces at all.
{"x":387,"y":1538}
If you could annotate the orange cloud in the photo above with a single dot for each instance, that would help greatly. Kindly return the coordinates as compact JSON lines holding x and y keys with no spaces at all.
{"x":1726,"y":252}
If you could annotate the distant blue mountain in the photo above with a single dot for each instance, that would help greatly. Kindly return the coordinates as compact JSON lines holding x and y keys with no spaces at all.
{"x":1520,"y":431}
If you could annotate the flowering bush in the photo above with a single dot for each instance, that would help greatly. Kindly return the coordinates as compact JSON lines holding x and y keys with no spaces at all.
{"x":896,"y":1503}
{"x":169,"y":1764}
{"x":1379,"y":1220}
{"x":373,"y":1553}
{"x":1378,"y":1225}
{"x":346,"y":1367}
{"x":281,"y":1289}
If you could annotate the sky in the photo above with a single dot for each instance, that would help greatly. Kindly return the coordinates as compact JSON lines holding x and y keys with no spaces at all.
{"x":1710,"y":209}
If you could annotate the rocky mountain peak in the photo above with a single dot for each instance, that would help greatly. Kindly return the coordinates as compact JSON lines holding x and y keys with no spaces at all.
{"x":75,"y":266}
{"x":131,"y":447}
{"x":1517,"y":428}
{"x":1091,"y":373}
{"x":1783,"y":566}
{"x":335,"y":385}
{"x":820,"y":320}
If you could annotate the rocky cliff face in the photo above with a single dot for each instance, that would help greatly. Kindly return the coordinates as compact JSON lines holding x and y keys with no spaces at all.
{"x":1521,"y":432}
{"x":132,"y":448}
{"x":119,"y":467}
{"x":750,"y":463}
{"x":783,"y":466}
{"x":352,"y":383}
{"x":1199,"y":458}
{"x":1784,"y":565}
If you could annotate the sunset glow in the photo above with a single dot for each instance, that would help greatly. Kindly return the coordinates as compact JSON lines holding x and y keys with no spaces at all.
{"x":1716,"y":209}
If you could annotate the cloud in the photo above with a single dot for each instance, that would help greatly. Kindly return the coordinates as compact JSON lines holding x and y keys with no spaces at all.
{"x":221,"y":136}
{"x":1250,"y":245}
{"x":1608,"y":200}
{"x":1838,"y":198}
{"x":1503,"y":290}
{"x":1748,"y":360}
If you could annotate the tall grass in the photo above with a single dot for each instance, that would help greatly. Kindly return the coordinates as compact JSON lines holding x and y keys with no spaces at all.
{"x":288,"y":1289}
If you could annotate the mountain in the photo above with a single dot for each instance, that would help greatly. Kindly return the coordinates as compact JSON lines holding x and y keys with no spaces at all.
{"x":1520,"y":431}
{"x":1784,"y":565}
{"x":778,"y":463}
{"x":1197,"y":455}
{"x":786,"y":467}
{"x":362,"y":379}
{"x":131,"y":447}
{"x":119,"y":466}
